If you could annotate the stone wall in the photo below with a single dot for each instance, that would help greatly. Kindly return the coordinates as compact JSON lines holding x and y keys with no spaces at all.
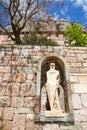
{"x":18,"y":77}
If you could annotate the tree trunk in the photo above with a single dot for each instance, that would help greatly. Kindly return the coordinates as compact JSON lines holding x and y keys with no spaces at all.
{"x":17,"y":38}
{"x":16,"y":33}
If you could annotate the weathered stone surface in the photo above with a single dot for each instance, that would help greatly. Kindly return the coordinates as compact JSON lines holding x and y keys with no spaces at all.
{"x":38,"y":127}
{"x":6,"y":77}
{"x":84,"y":125}
{"x":19,"y":122}
{"x":4,"y":101}
{"x":84,"y":100}
{"x":20,"y":77}
{"x":7,"y":125}
{"x":29,"y":102}
{"x":23,"y":111}
{"x":73,"y":127}
{"x":79,"y":88}
{"x":83,"y":70}
{"x":15,"y":89}
{"x":30,"y":125}
{"x":24,"y":53}
{"x":1,"y":110}
{"x":74,"y":79}
{"x":7,"y":113}
{"x":82,"y":79}
{"x":4,"y":69}
{"x":51,"y":127}
{"x":76,"y":100}
{"x":17,"y":102}
{"x":30,"y":117}
{"x":74,"y":70}
{"x":27,"y":89}
{"x":80,"y":115}
{"x":2,"y":90}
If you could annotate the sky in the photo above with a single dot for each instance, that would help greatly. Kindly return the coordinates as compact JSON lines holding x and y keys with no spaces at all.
{"x":72,"y":11}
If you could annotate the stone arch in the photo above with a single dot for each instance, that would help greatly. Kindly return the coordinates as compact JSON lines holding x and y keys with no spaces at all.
{"x":64,"y":68}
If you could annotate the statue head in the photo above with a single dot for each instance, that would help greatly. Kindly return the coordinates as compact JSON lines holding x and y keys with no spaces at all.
{"x":52,"y":65}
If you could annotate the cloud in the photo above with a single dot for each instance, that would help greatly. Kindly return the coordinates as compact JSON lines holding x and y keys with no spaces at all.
{"x":82,"y":4}
{"x":56,"y":16}
{"x":62,"y":13}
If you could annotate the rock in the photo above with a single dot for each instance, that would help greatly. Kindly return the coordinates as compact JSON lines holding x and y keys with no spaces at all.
{"x":84,"y":100}
{"x":51,"y":127}
{"x":7,"y":125}
{"x":19,"y":122}
{"x":76,"y":101}
{"x":4,"y":101}
{"x":7,"y":113}
{"x":17,"y":102}
{"x":30,"y":125}
{"x":62,"y":24}
{"x":74,"y":127}
{"x":29,"y":102}
{"x":20,"y":77}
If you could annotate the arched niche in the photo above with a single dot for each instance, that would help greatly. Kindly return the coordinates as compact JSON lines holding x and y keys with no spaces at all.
{"x":65,"y":92}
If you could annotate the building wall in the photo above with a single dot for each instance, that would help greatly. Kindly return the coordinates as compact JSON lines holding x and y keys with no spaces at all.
{"x":18,"y":78}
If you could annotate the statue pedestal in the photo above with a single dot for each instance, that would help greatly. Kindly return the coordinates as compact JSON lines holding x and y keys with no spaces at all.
{"x":55,"y":114}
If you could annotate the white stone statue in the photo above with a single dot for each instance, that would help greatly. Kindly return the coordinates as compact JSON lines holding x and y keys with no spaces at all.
{"x":52,"y":85}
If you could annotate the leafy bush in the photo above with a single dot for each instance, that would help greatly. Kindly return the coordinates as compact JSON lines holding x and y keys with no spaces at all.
{"x":75,"y":36}
{"x":33,"y":39}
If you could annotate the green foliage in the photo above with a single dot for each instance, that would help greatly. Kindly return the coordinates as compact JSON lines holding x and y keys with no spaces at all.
{"x":75,"y":35}
{"x":33,"y":39}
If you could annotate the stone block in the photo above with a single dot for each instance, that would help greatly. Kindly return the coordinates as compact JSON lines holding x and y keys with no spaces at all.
{"x":85,"y":64}
{"x":4,"y":69}
{"x":27,"y":89}
{"x":76,"y":101}
{"x":30,"y":125}
{"x":79,"y":88}
{"x":38,"y":127}
{"x":74,"y":70}
{"x":29,"y":102}
{"x":73,"y":127}
{"x":77,"y":64}
{"x":80,"y":115}
{"x":17,"y":102}
{"x":24,"y":62}
{"x":23,"y":89}
{"x":51,"y":127}
{"x":30,"y":89}
{"x":84,"y":100}
{"x":30,"y":117}
{"x":7,"y":113}
{"x":2,"y":90}
{"x":25,"y":53}
{"x":84,"y":125}
{"x":19,"y":122}
{"x":20,"y":77}
{"x":7,"y":125}
{"x":83,"y":70}
{"x":74,"y":79}
{"x":23,"y":111}
{"x":6,"y":77}
{"x":4,"y":101}
{"x":15,"y":89}
{"x":1,"y":111}
{"x":82,"y":79}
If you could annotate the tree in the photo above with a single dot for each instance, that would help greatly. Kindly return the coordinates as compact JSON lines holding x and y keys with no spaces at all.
{"x":75,"y":36}
{"x":19,"y":12}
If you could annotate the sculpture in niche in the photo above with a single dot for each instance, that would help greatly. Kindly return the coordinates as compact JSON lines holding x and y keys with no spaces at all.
{"x":52,"y":85}
{"x":50,"y":90}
